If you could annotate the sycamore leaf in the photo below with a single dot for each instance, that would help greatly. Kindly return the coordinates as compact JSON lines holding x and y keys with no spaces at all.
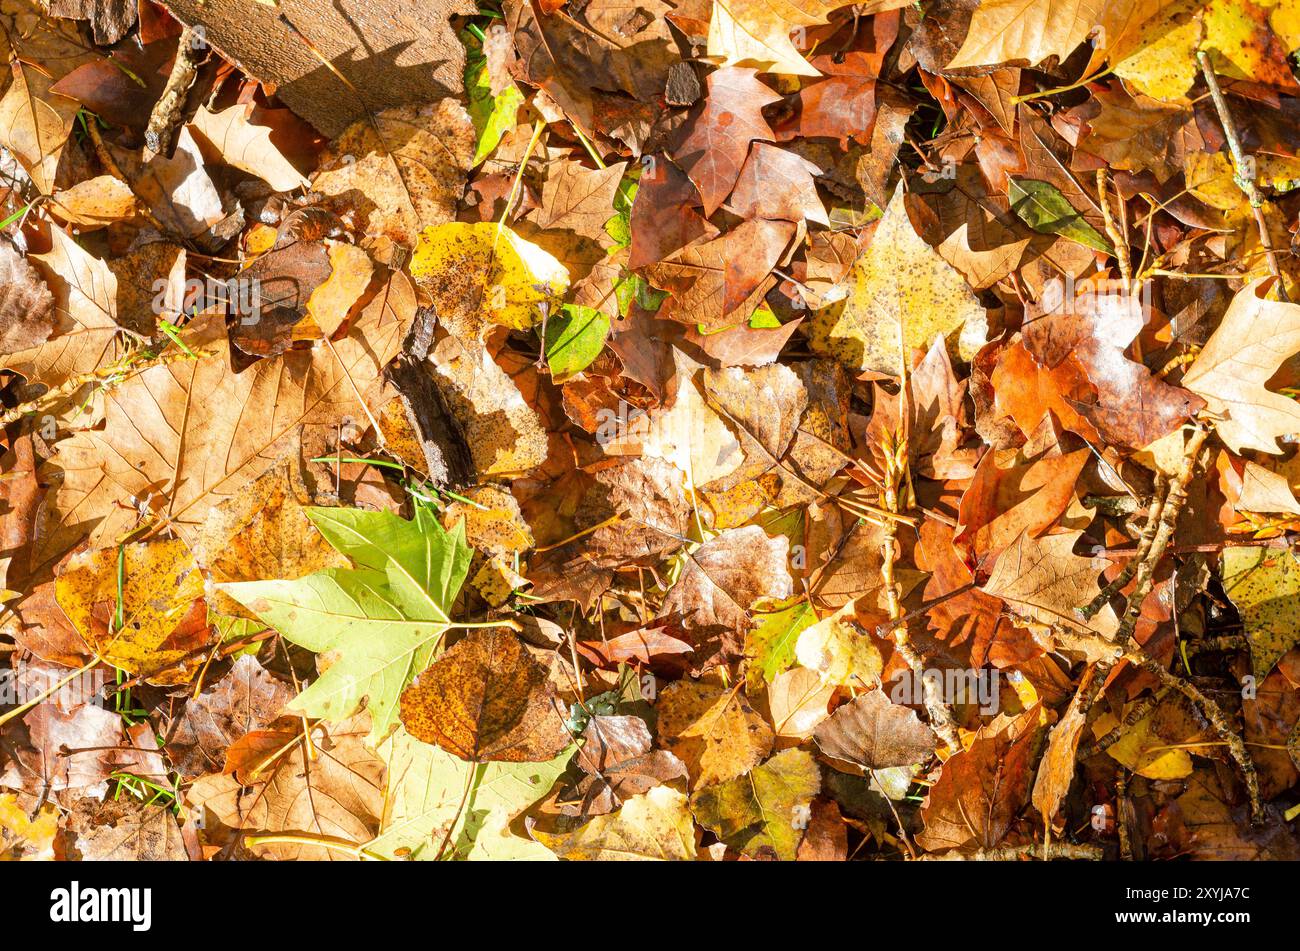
{"x":399,"y":171}
{"x":35,"y":123}
{"x":762,"y":814}
{"x":262,"y":531}
{"x":424,"y":789}
{"x":713,"y":144}
{"x":901,"y":293}
{"x":655,"y":826}
{"x":385,"y":617}
{"x":128,"y":830}
{"x":332,"y":789}
{"x":983,"y":788}
{"x":1254,"y":337}
{"x":85,"y":311}
{"x":1043,"y":580}
{"x":244,"y":422}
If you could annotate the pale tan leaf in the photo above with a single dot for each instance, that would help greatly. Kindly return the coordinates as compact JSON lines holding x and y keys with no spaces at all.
{"x":1253,"y":339}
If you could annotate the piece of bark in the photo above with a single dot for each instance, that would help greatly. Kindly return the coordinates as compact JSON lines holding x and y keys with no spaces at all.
{"x":110,"y":19}
{"x":448,"y":461}
{"x":394,"y":52}
{"x":169,"y":111}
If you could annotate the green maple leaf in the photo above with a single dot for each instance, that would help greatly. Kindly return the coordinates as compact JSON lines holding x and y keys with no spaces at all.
{"x":385,"y":617}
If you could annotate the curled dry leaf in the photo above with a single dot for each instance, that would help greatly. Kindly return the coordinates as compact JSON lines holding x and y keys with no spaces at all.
{"x":95,"y":203}
{"x":245,"y":146}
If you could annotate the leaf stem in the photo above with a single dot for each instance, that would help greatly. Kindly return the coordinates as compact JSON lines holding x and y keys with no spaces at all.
{"x":45,"y":695}
{"x":468,"y":625}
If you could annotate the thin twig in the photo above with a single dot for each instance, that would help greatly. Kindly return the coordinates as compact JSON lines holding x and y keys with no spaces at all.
{"x":1245,"y":182}
{"x":1057,"y":850}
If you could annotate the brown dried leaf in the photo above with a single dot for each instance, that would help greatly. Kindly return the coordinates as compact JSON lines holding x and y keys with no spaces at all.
{"x":873,"y":733}
{"x":486,"y":700}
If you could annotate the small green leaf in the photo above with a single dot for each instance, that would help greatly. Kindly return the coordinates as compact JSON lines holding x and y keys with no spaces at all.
{"x":425,"y":788}
{"x":777,"y":628}
{"x":1043,"y":207}
{"x":492,"y":116}
{"x":620,"y":226}
{"x":574,"y":338}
